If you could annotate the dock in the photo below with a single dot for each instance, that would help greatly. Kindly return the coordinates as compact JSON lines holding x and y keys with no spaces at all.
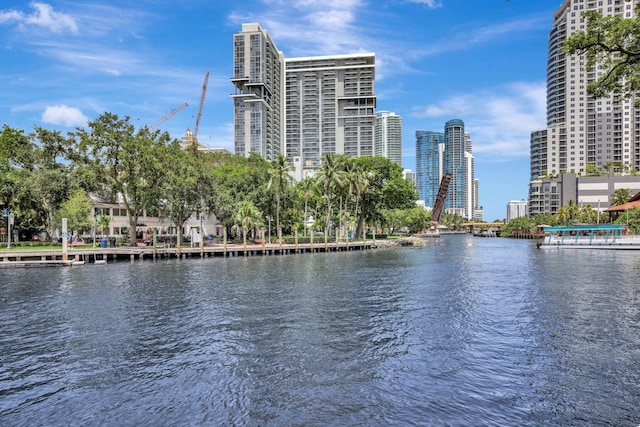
{"x":77,"y":256}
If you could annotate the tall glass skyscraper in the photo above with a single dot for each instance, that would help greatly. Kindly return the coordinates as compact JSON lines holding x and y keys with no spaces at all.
{"x":429,"y":162}
{"x":438,"y":153}
{"x":454,"y":162}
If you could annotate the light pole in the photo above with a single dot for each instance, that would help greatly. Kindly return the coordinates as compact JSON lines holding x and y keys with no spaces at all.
{"x":269,"y":218}
{"x":9,"y":224}
{"x":309,"y":224}
{"x":94,"y":229}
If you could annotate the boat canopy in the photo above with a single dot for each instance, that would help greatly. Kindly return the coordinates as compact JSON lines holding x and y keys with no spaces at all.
{"x":591,"y":227}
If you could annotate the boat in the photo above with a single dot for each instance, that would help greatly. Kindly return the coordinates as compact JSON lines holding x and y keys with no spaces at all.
{"x":609,"y":236}
{"x":428,"y":234}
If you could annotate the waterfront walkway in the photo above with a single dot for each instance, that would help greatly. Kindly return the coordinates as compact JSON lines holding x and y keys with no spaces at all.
{"x":74,"y":256}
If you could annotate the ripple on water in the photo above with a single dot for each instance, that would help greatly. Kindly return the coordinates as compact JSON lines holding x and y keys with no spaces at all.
{"x":462,"y":331}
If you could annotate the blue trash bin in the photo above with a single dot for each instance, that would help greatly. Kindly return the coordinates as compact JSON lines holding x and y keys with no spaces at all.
{"x":103,"y":242}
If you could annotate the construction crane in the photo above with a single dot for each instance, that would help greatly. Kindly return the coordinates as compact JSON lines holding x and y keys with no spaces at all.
{"x":202,"y":95}
{"x":167,"y":116}
{"x":442,"y":194}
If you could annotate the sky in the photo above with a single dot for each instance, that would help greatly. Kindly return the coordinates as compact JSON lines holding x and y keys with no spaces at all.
{"x":63,"y":63}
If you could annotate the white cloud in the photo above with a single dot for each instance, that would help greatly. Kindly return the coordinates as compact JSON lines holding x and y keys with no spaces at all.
{"x":500,"y":120}
{"x":433,"y":4}
{"x":42,"y":16}
{"x":64,"y":115}
{"x":10,"y":15}
{"x":311,"y":27}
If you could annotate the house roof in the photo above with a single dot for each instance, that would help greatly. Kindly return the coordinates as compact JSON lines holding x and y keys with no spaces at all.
{"x":634,"y":202}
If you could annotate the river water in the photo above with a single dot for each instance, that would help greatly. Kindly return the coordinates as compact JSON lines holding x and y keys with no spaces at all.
{"x":463,"y":331}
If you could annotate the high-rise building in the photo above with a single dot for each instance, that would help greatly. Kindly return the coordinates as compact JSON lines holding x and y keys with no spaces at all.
{"x":583,"y":130}
{"x":538,"y":154}
{"x":516,"y":209}
{"x":300,"y":107}
{"x":583,"y":134}
{"x":429,"y":164}
{"x":330,"y":105}
{"x":409,"y":175}
{"x":388,"y":136}
{"x":456,"y":163}
{"x":438,"y":153}
{"x":258,"y":73}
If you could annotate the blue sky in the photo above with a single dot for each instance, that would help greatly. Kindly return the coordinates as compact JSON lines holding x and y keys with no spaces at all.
{"x":482,"y":61}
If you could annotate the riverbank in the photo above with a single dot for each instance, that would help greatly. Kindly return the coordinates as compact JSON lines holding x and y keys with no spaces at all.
{"x":76,"y":256}
{"x":79,"y":256}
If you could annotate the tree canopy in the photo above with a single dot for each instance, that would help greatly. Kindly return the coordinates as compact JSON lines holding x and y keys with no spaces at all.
{"x":47,"y":175}
{"x":610,"y":44}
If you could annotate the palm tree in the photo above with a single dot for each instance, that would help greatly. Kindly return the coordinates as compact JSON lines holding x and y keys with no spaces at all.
{"x":279,"y":172}
{"x":588,"y":215}
{"x":306,"y":190}
{"x":352,"y":174}
{"x":247,"y":216}
{"x":329,"y":176}
{"x":103,"y":222}
{"x":561,"y":215}
{"x":620,"y":197}
{"x":573,"y":212}
{"x":568,"y":213}
{"x":362,"y":183}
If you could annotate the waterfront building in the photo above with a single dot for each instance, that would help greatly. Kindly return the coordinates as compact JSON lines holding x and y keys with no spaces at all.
{"x":548,"y":194}
{"x":584,"y":135}
{"x":148,"y":223}
{"x":516,"y":209}
{"x":303,"y":108}
{"x":388,"y":136}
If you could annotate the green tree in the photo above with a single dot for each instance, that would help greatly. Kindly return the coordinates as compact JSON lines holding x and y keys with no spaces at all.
{"x":77,"y":210}
{"x":517,"y":225}
{"x":36,"y":177}
{"x":125,"y":161}
{"x":184,"y":186}
{"x":568,"y":214}
{"x":279,"y":172}
{"x":452,"y":221}
{"x":329,"y":177}
{"x":630,"y":218}
{"x":591,"y":169}
{"x":385,"y":189}
{"x":103,"y":222}
{"x":247,"y":217}
{"x":619,"y":197}
{"x":610,"y":44}
{"x":307,"y":190}
{"x":588,"y":215}
{"x":234,"y":178}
